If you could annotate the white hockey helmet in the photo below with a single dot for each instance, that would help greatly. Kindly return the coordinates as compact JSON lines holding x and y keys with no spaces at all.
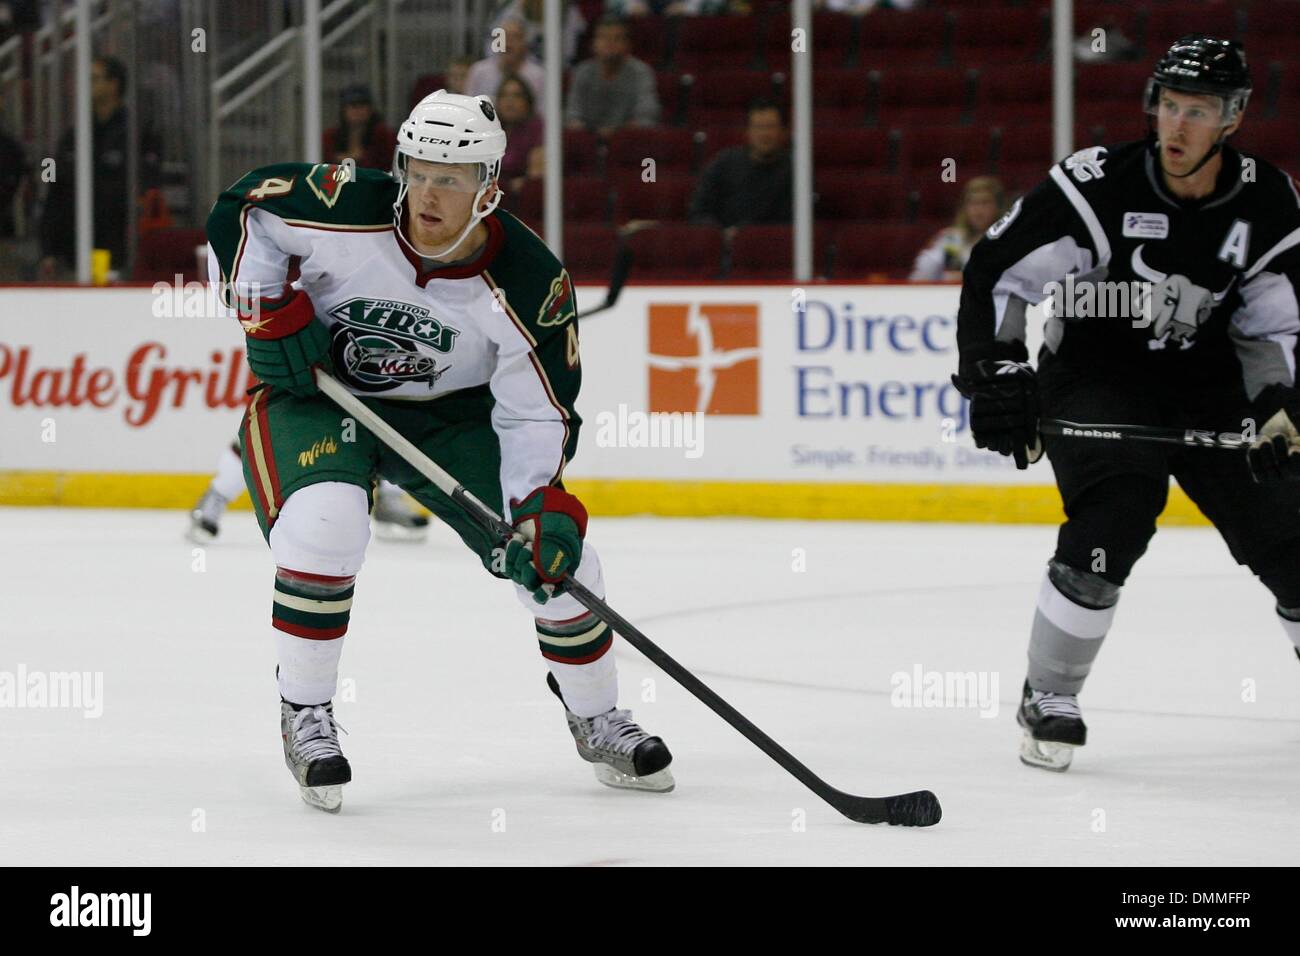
{"x":451,"y":128}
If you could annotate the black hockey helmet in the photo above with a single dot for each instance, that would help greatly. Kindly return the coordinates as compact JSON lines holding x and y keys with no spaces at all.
{"x":1198,"y":63}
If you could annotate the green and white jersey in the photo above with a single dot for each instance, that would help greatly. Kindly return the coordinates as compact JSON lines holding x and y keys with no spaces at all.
{"x":506,"y":320}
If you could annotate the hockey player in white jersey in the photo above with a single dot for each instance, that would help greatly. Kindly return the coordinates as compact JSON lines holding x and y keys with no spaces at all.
{"x":456,"y":324}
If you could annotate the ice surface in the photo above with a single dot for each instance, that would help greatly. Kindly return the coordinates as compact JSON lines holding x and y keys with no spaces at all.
{"x":452,"y":729}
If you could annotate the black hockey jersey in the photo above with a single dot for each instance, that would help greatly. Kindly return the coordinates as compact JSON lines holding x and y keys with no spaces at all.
{"x":1181,"y":294}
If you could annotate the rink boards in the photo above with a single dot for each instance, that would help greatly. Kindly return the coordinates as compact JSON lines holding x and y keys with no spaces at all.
{"x":824,"y":401}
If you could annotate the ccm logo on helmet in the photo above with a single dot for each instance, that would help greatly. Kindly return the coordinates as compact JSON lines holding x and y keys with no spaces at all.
{"x":435,"y":141}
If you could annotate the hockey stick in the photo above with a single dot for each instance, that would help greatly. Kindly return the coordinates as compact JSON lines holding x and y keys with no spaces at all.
{"x":617,"y":278}
{"x":918,"y":809}
{"x":1191,"y":437}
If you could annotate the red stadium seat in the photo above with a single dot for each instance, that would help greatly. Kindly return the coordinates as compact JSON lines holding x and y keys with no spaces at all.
{"x":924,"y":149}
{"x":929,"y":97}
{"x":667,"y":198}
{"x":162,"y":253}
{"x":583,"y":152}
{"x":1167,"y":22}
{"x":732,"y":90}
{"x":714,"y":42}
{"x":1014,"y":93}
{"x":845,"y":194}
{"x":586,"y":199}
{"x":832,"y":40}
{"x":717,"y":138}
{"x":673,"y":150}
{"x":899,"y":37}
{"x":999,"y":35}
{"x":649,"y":39}
{"x":875,"y":149}
{"x":1109,"y":83}
{"x":867,"y":249}
{"x":1025,"y":145}
{"x":674,"y":91}
{"x":767,"y":251}
{"x":589,"y":251}
{"x":423,"y":86}
{"x":676,"y":251}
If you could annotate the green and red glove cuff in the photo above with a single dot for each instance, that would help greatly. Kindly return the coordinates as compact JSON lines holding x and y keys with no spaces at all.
{"x":559,"y":523}
{"x":276,"y":317}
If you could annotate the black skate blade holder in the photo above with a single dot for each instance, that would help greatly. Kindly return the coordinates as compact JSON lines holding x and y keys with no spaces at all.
{"x":919,"y":808}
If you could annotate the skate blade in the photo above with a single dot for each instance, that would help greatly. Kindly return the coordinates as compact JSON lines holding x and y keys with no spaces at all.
{"x":387,"y":531}
{"x":1046,"y":755}
{"x":661,"y":781}
{"x":329,"y":799}
{"x":199,"y":535}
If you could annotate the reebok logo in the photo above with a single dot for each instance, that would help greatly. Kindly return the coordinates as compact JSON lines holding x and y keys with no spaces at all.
{"x":1090,"y":433}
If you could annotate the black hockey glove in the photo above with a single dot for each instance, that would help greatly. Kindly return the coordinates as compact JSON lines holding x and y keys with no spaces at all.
{"x":1003,"y":408}
{"x":1275,"y":453}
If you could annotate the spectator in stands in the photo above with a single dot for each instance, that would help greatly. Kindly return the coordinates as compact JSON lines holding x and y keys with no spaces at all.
{"x":525,"y":156}
{"x":511,"y":57}
{"x":110,"y":186}
{"x":982,"y":202}
{"x":751,"y":183}
{"x":457,"y":79}
{"x":674,"y":8}
{"x":613,"y":89}
{"x":362,"y":135}
{"x":857,"y":7}
{"x":530,"y":13}
{"x":13,"y":181}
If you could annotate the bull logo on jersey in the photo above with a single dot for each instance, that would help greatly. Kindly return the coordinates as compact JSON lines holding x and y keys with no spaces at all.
{"x":558,"y":307}
{"x":1085,"y":165}
{"x":327,"y":180}
{"x":1172,"y":305}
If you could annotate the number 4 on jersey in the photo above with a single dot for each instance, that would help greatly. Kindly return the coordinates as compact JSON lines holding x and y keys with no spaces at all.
{"x":274,"y":186}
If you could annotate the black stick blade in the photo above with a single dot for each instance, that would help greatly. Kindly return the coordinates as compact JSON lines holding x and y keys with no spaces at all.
{"x":918,"y":809}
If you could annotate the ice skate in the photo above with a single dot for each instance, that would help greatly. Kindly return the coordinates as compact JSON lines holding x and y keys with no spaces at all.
{"x":311,"y":751}
{"x":205,"y":519}
{"x":396,"y":517}
{"x":1053,"y":729}
{"x":623,"y":755}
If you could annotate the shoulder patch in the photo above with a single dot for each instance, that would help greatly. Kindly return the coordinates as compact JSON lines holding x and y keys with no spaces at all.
{"x":1085,"y":165}
{"x":558,"y":307}
{"x":1000,"y":226}
{"x":327,"y":180}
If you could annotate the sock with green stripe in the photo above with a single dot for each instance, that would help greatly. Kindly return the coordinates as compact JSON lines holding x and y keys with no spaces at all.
{"x":578,"y":652}
{"x":310,"y":618}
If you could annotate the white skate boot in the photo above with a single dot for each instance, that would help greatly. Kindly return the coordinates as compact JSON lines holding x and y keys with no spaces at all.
{"x":311,"y":751}
{"x":623,"y":755}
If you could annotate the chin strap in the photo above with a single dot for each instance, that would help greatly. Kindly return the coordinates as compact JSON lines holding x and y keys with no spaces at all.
{"x":1154,"y":145}
{"x":474,"y":219}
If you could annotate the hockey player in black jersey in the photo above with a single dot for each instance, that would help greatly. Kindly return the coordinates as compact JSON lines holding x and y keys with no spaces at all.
{"x":1172,"y":266}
